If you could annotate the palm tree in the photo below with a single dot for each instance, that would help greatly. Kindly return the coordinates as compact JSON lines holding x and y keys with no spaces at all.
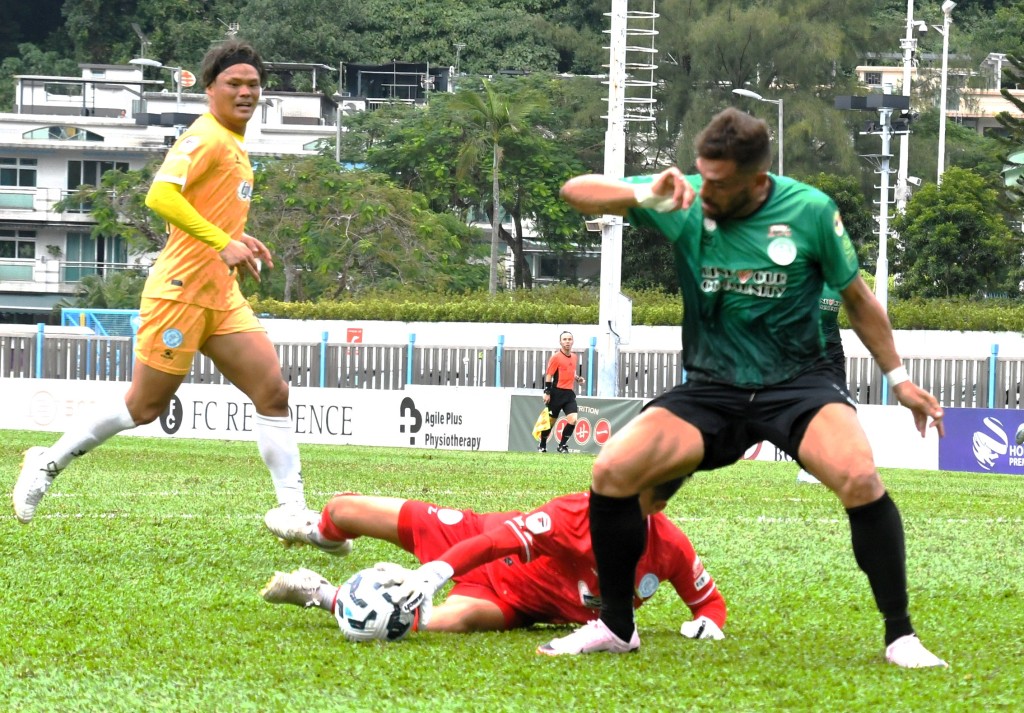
{"x":489,"y":118}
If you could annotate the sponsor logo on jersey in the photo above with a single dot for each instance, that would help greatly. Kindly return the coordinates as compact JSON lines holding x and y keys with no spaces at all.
{"x":648,"y":585}
{"x":538,"y":523}
{"x":759,"y":283}
{"x":782,"y":251}
{"x":244,"y":191}
{"x":701,"y":581}
{"x":837,"y":224}
{"x":990,"y":444}
{"x":172,"y":337}
{"x":780,"y":231}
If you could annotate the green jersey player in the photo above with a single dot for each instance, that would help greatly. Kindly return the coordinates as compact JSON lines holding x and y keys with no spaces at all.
{"x":753,"y":252}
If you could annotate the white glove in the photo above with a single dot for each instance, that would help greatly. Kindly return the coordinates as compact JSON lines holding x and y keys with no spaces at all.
{"x":701,"y":628}
{"x":416,"y":588}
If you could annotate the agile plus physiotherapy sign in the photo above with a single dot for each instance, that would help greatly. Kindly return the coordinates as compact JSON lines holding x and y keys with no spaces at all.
{"x":983,"y":441}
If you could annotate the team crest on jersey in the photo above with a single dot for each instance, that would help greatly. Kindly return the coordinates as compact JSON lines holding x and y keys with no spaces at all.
{"x":837,"y":223}
{"x":244,"y":191}
{"x":648,"y":585}
{"x":188,"y":144}
{"x":782,"y":251}
{"x":172,"y":337}
{"x":710,"y":225}
{"x":780,"y":231}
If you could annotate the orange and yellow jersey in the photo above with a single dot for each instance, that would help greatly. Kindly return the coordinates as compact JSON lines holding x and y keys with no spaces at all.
{"x":210,"y":164}
{"x":561,"y":371}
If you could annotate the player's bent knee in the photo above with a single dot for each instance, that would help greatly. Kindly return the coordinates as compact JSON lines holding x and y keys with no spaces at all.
{"x":611,"y":476}
{"x":859,"y":486}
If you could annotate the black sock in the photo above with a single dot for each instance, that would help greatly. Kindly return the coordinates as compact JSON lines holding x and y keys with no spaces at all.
{"x":878,"y":546}
{"x":544,"y":438}
{"x":618,"y":535}
{"x":567,"y":433}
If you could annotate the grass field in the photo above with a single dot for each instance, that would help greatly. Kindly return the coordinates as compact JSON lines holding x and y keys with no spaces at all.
{"x":137,"y":588}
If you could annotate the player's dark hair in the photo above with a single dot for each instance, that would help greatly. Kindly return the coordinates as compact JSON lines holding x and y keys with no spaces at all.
{"x":227,"y":54}
{"x":733,"y":135}
{"x":665,"y":491}
{"x":564,"y":331}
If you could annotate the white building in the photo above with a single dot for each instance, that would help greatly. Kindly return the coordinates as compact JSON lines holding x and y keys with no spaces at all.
{"x":68,"y":131}
{"x":974,"y":98}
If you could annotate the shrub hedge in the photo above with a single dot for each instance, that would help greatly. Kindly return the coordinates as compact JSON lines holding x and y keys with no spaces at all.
{"x":574,"y":305}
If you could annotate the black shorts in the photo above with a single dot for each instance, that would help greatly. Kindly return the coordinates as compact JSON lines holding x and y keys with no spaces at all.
{"x":732,"y":419}
{"x":563,"y":400}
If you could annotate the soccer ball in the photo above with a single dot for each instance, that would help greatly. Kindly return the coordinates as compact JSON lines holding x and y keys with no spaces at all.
{"x":367,"y":611}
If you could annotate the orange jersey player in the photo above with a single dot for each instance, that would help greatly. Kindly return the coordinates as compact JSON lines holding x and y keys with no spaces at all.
{"x":191,"y":302}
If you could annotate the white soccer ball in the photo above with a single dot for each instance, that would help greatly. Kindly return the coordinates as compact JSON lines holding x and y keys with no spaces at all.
{"x":366,"y":609}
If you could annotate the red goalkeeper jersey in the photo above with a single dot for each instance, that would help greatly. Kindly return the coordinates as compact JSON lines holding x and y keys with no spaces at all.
{"x":553,"y":577}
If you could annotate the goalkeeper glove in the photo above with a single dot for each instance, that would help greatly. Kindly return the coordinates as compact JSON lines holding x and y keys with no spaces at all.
{"x":701,"y":628}
{"x":416,"y":588}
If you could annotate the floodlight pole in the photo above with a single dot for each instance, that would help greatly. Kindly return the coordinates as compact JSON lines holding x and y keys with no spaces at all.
{"x":947,"y":10}
{"x":611,"y":225}
{"x":909,"y":45}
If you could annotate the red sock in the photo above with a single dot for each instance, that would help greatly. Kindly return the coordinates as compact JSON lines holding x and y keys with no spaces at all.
{"x":330,"y":531}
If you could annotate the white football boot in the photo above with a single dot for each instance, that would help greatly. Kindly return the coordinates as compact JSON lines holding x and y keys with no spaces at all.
{"x":299,"y":526}
{"x":908,"y":652}
{"x":591,"y":638}
{"x":36,"y":476}
{"x":301,"y":588}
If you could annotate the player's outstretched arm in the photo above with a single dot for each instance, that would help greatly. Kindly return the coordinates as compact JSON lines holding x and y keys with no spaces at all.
{"x":595,"y":194}
{"x":871,"y":323}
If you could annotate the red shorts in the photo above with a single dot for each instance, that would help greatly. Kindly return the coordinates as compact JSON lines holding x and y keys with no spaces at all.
{"x":428,"y":531}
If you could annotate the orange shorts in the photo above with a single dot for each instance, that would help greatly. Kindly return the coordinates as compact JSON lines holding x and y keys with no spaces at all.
{"x":172,"y":332}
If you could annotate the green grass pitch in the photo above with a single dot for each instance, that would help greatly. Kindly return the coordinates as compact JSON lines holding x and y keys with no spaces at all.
{"x":137,"y":589}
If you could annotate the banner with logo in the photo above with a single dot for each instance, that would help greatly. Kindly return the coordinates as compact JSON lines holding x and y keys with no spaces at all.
{"x":596,"y":421}
{"x":443,"y":418}
{"x":983,"y":440}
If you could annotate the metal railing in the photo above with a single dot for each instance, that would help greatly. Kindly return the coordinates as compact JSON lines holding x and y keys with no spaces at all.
{"x":994,"y":382}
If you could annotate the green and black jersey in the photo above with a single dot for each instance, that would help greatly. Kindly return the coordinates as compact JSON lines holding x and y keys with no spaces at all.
{"x":751,"y":286}
{"x":829,"y":306}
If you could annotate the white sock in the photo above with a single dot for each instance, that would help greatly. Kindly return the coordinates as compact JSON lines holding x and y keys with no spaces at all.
{"x":280,"y":452}
{"x":76,"y":443}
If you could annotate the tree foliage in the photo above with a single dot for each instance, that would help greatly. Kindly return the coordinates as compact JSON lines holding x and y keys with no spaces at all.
{"x":954,"y":242}
{"x":335,"y":232}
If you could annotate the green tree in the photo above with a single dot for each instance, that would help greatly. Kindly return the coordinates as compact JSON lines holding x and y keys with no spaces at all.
{"x":857,"y":216}
{"x":118,"y":205}
{"x":119,"y":290}
{"x":489,"y":121}
{"x":1013,"y":142}
{"x":335,"y":232}
{"x":955,"y":242}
